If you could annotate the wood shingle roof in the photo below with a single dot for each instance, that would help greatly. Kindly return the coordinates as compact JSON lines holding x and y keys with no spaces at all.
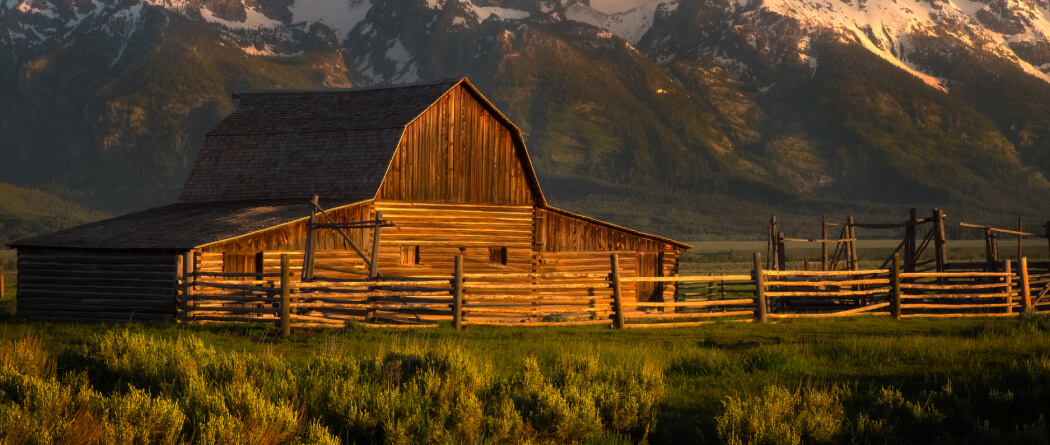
{"x":178,"y":227}
{"x":296,"y":144}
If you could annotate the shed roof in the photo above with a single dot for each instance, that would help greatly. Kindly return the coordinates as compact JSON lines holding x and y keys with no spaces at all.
{"x":178,"y":226}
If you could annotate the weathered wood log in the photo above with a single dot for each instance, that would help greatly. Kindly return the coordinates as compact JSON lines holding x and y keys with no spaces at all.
{"x":1009,"y":287}
{"x":829,"y":294}
{"x":91,"y":317}
{"x":633,"y":315}
{"x":956,"y":306}
{"x":684,"y":324}
{"x":286,"y":299}
{"x":224,"y":298}
{"x":1026,"y":290}
{"x":953,"y":286}
{"x":91,"y":292}
{"x":958,"y":315}
{"x":67,"y":272}
{"x":895,"y":278}
{"x":953,"y":296}
{"x":475,"y":276}
{"x":267,"y":320}
{"x":242,"y":287}
{"x":827,"y":283}
{"x":525,"y":301}
{"x":690,"y":279}
{"x":760,"y":292}
{"x":828,"y":315}
{"x":734,"y":302}
{"x":468,"y":285}
{"x":614,"y":279}
{"x":89,"y":308}
{"x":819,"y":273}
{"x":239,"y":310}
{"x":131,"y":260}
{"x":542,"y":323}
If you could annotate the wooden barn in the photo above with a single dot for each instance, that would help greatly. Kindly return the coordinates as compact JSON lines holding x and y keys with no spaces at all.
{"x":445,"y":172}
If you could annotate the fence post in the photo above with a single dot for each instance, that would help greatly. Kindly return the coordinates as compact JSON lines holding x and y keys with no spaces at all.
{"x":895,"y":287}
{"x":940,"y":241}
{"x":308,"y":253}
{"x":1026,"y":290}
{"x":457,"y":294}
{"x":823,"y":244}
{"x":782,"y":252}
{"x":286,"y":298}
{"x":1020,"y":238}
{"x":760,"y":291}
{"x":187,"y":285}
{"x":2,"y":281}
{"x":373,"y":272}
{"x":852,"y":244}
{"x":909,"y":241}
{"x":614,"y":278}
{"x":1009,"y":287}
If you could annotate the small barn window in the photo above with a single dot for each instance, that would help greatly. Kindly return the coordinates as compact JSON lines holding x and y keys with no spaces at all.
{"x":409,"y":255}
{"x":498,"y":255}
{"x":242,"y":262}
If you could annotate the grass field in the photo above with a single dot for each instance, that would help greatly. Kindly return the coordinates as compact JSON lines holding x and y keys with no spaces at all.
{"x":864,"y":380}
{"x":843,"y":381}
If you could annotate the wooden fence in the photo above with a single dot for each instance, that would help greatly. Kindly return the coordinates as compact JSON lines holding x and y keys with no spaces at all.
{"x":592,"y":298}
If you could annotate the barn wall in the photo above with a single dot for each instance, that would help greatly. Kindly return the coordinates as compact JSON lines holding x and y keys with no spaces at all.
{"x":557,"y":232}
{"x":567,"y":234}
{"x":457,"y":152}
{"x":444,"y":230}
{"x":78,"y":284}
{"x":440,"y":231}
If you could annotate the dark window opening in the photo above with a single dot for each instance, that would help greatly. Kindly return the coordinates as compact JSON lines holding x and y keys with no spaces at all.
{"x":409,"y":255}
{"x":498,"y":255}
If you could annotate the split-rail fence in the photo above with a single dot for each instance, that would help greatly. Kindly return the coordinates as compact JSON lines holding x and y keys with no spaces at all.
{"x":561,"y":299}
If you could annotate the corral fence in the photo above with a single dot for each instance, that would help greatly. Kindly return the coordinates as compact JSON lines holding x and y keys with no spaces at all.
{"x":589,"y":298}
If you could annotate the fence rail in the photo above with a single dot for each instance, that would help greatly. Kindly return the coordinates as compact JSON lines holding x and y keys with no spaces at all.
{"x":589,"y":298}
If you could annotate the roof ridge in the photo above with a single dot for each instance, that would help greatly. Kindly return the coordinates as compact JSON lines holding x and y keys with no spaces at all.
{"x":450,"y":81}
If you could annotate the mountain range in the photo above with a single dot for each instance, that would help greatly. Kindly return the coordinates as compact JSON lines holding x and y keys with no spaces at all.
{"x":689,"y":118}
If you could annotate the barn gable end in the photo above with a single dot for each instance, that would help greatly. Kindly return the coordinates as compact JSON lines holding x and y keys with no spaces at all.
{"x":461,"y":150}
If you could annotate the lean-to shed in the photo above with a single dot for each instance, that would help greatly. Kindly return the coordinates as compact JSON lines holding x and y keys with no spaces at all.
{"x":437,"y":159}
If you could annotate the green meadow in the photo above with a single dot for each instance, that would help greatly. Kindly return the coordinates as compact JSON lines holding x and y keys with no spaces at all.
{"x":866,"y":380}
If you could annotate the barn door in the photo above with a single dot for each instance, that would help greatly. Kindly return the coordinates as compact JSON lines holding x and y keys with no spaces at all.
{"x":649,"y":266}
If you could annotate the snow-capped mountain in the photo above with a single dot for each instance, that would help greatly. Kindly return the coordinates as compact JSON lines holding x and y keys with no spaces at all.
{"x":774,"y":102}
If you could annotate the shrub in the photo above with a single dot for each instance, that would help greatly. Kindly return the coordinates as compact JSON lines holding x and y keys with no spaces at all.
{"x":778,"y":417}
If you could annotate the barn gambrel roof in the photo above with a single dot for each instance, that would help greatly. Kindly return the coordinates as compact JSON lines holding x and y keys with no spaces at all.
{"x":334,"y":143}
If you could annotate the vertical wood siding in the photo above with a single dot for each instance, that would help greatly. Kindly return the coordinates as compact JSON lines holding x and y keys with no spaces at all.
{"x":457,"y":152}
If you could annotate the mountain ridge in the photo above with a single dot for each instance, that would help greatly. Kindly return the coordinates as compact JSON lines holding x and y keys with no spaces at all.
{"x":795,"y":106}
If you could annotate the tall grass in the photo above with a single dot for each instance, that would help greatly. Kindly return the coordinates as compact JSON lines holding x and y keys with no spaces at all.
{"x":847,"y":381}
{"x":124,"y":387}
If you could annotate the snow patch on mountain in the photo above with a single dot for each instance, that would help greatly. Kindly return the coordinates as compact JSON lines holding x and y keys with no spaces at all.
{"x":482,"y":12}
{"x":124,"y":24}
{"x":630,"y":24}
{"x":254,"y":20}
{"x":340,"y":17}
{"x":884,"y":26}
